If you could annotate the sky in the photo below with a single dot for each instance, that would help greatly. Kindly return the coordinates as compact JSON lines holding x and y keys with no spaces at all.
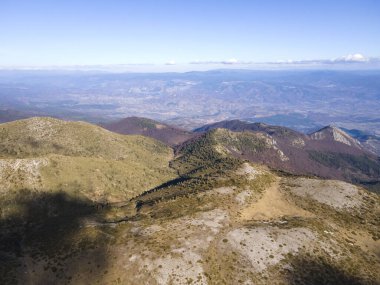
{"x":191,"y":32}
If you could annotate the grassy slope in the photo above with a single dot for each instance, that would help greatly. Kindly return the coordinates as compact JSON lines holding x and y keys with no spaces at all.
{"x":46,"y":154}
{"x":40,"y":136}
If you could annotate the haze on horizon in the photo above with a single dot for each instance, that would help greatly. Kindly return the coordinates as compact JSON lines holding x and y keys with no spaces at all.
{"x":191,"y":35}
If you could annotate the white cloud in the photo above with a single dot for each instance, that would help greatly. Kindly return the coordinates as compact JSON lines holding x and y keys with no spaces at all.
{"x":230,"y":61}
{"x":171,"y":62}
{"x":285,"y":61}
{"x":356,"y":57}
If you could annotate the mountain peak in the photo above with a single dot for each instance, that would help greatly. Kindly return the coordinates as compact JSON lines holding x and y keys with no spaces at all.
{"x":334,"y":133}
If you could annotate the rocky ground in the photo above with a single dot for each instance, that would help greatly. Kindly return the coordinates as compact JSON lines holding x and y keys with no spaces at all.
{"x":282,"y":230}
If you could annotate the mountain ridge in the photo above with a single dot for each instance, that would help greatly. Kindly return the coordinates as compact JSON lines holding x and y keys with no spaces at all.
{"x":325,"y":155}
{"x":168,"y":134}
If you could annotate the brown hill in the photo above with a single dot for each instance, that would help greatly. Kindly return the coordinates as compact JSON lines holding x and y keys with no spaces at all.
{"x":150,"y":128}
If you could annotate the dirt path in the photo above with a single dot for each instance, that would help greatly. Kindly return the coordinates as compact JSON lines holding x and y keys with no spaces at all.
{"x":272,"y":205}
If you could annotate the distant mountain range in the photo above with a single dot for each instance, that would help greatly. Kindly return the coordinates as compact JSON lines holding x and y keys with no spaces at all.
{"x":302,"y":100}
{"x":329,"y":152}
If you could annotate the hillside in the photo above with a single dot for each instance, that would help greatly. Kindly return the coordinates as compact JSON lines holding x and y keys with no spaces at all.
{"x":45,"y":154}
{"x":218,"y":220}
{"x":328,"y":153}
{"x":149,"y":128}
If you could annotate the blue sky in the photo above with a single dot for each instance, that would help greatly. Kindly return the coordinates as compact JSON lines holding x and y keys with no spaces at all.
{"x":87,"y":32}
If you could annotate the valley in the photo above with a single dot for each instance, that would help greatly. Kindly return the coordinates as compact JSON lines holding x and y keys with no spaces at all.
{"x":304,"y":100}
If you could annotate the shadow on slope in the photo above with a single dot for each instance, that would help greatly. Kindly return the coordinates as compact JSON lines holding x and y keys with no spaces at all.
{"x":43,"y":241}
{"x":308,"y":270}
